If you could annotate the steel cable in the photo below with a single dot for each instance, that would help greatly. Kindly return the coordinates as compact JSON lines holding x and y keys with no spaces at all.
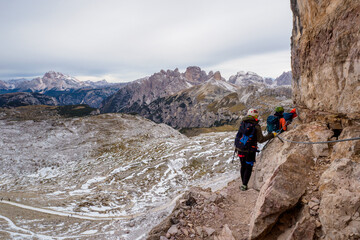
{"x":341,"y":140}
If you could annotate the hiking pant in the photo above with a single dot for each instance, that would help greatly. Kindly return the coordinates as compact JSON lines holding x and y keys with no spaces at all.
{"x":247,"y":160}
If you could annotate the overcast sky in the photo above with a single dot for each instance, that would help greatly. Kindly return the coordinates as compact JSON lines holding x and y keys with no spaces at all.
{"x":126,"y":40}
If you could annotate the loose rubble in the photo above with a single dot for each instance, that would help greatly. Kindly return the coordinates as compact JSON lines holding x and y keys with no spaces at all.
{"x":203,"y":214}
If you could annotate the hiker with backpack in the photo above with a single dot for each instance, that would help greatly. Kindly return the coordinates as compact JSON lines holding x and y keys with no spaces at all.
{"x":276,"y":123}
{"x":246,"y":140}
{"x":290,"y":116}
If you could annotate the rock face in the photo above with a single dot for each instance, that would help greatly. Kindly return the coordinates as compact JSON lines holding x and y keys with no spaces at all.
{"x":213,"y":103}
{"x":350,"y":149}
{"x":196,"y":106}
{"x":326,"y":56}
{"x":340,"y":200}
{"x":89,"y":96}
{"x":280,"y":193}
{"x":25,"y":99}
{"x":281,"y":174}
{"x":194,"y":99}
{"x":312,"y":191}
{"x":195,"y":75}
{"x":323,"y":202}
{"x":144,"y":91}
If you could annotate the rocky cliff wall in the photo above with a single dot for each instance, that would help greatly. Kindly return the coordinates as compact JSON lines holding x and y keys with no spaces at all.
{"x":312,"y":191}
{"x":326,"y":56}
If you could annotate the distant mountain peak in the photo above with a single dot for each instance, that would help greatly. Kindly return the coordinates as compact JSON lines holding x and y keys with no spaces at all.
{"x":284,"y":79}
{"x":59,"y":76}
{"x":243,"y":78}
{"x":195,"y":74}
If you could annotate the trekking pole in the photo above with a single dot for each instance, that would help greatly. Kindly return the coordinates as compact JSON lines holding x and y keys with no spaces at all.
{"x":278,"y":132}
{"x":280,"y":138}
{"x":267,"y":143}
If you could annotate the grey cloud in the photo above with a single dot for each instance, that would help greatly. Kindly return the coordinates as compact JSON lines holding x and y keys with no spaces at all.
{"x":114,"y":36}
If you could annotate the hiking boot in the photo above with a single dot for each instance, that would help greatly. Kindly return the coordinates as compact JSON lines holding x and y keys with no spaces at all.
{"x":243,"y":188}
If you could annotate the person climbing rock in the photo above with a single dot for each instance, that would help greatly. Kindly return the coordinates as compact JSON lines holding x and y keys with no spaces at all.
{"x":246,"y":140}
{"x":289,"y":116}
{"x":276,"y":123}
{"x":279,"y":112}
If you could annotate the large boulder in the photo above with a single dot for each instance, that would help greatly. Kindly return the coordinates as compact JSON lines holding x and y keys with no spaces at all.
{"x":282,"y":176}
{"x":340,"y":201}
{"x":280,"y":193}
{"x":347,"y":149}
{"x":276,"y":152}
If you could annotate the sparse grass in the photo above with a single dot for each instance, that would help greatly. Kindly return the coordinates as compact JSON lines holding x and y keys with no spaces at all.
{"x":190,"y":132}
{"x":232,"y":96}
{"x":75,"y":110}
{"x":200,"y":97}
{"x":44,"y":112}
{"x":212,"y":107}
{"x":111,"y":148}
{"x":237,"y":108}
{"x":31,"y":112}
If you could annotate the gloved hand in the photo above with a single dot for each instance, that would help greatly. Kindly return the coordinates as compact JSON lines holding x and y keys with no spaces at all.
{"x":275,"y":134}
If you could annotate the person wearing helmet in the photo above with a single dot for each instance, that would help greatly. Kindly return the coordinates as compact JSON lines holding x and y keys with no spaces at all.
{"x":279,"y":112}
{"x":246,"y":140}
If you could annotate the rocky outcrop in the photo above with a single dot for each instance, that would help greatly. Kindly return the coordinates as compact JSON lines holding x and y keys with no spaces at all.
{"x":269,"y":81}
{"x":350,"y":149}
{"x":277,"y":153}
{"x":188,"y":101}
{"x":246,"y":78}
{"x":325,"y":56}
{"x":144,"y":91}
{"x":339,"y":211}
{"x":203,"y":214}
{"x":213,"y":103}
{"x":3,"y":85}
{"x":210,"y":104}
{"x":51,"y":81}
{"x":25,"y":99}
{"x":89,"y":96}
{"x":284,"y":79}
{"x":280,"y":193}
{"x":317,"y":185}
{"x":195,"y":75}
{"x":281,"y":174}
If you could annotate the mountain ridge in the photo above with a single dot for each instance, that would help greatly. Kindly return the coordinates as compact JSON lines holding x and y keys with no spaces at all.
{"x":211,"y":101}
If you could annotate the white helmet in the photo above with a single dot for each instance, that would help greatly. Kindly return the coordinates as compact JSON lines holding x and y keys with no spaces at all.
{"x":253,"y":112}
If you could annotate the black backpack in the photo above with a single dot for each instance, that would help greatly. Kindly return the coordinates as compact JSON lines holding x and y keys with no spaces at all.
{"x":245,"y":140}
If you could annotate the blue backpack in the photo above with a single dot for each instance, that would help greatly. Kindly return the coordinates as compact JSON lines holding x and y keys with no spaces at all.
{"x":288,"y":117}
{"x":245,"y":140}
{"x":273,"y":124}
